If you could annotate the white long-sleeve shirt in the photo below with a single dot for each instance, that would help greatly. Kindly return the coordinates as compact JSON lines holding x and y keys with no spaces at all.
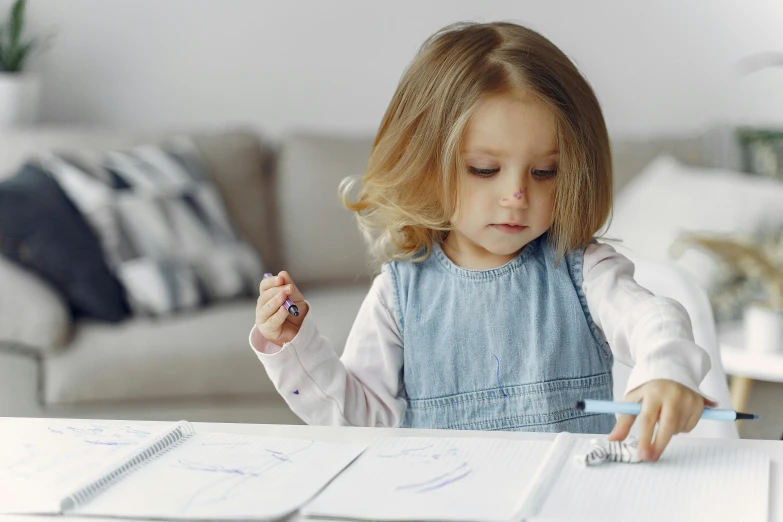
{"x":364,"y":387}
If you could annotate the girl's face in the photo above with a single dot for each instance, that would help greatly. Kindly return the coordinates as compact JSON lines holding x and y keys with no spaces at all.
{"x":506,"y":197}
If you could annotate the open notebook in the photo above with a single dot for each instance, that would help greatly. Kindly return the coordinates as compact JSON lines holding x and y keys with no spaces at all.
{"x":141,"y":471}
{"x":496,"y":480}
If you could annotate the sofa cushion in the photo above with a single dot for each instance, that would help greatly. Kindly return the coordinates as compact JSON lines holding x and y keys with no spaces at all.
{"x":669,"y":199}
{"x":320,"y":240}
{"x":162,"y":224}
{"x":631,"y":156}
{"x":237,"y":163}
{"x":32,"y":312}
{"x":17,"y":146}
{"x":240,"y":167}
{"x":42,"y":230}
{"x":200,"y":354}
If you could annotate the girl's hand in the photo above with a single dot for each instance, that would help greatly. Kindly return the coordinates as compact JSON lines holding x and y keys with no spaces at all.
{"x":673,"y":406}
{"x":272,"y":319}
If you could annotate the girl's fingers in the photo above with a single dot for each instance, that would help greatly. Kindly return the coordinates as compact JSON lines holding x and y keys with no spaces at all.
{"x":622,"y":427}
{"x":269,"y":282}
{"x":268,"y":304}
{"x":275,"y":321}
{"x":691,"y":422}
{"x":270,"y":312}
{"x":647,"y":419}
{"x":693,"y":418}
{"x":274,"y":291}
{"x":668,"y":425}
{"x":285,"y":279}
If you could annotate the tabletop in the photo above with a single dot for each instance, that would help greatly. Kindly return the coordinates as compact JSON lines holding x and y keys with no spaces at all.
{"x":367,"y":435}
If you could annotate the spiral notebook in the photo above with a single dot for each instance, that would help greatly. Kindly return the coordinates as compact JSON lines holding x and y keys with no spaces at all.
{"x":139,"y":470}
{"x":497,"y":480}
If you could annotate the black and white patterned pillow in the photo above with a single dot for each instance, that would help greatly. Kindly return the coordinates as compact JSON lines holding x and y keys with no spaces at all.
{"x":162,"y":225}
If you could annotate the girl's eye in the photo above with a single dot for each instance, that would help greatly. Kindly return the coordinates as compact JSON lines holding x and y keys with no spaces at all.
{"x":484,"y":173}
{"x":544,"y":174}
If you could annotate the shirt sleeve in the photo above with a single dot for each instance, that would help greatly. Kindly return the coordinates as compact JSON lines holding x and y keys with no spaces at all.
{"x":361,"y":388}
{"x":651,"y":333}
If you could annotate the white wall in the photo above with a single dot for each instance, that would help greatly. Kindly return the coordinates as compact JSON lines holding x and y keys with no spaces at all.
{"x":661,"y":67}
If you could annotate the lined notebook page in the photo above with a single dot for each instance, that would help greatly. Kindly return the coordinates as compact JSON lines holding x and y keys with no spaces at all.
{"x":43,"y":461}
{"x":688,"y":483}
{"x":225,"y":476}
{"x":434,"y":479}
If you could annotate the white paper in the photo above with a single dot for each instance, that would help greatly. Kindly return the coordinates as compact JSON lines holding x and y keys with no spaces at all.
{"x":224,"y":476}
{"x":42,"y":461}
{"x":689,"y":482}
{"x":434,"y":479}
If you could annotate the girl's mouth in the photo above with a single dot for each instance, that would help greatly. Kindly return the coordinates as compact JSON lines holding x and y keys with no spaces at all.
{"x":509,"y":229}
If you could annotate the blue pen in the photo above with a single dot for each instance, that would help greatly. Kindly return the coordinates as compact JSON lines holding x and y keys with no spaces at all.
{"x":635,"y":408}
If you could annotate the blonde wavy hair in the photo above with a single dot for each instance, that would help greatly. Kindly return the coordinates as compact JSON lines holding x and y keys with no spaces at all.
{"x":409,"y":190}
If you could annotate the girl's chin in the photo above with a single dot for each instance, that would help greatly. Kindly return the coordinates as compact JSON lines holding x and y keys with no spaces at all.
{"x":504,"y":250}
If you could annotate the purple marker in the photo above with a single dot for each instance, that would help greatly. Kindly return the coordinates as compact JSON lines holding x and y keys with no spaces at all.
{"x":289,"y":305}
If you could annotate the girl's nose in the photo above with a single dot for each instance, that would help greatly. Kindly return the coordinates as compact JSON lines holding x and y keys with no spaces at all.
{"x":517,"y":199}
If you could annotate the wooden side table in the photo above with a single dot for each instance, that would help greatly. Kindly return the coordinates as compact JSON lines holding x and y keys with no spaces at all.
{"x":745,"y":366}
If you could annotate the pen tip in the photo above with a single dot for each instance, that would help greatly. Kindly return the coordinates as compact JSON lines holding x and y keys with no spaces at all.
{"x":580,"y":405}
{"x":294,"y":310}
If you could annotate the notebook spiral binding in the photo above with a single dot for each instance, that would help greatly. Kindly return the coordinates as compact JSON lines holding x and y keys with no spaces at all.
{"x":157,"y":447}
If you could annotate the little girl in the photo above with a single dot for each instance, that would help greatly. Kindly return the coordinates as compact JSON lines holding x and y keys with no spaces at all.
{"x":495,"y":309}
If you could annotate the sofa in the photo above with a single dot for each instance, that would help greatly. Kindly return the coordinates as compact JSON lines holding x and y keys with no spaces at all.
{"x":282,"y":197}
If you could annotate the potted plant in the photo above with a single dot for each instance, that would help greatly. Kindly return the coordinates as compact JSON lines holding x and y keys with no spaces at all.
{"x":751,"y":264}
{"x":762,"y":149}
{"x":19,"y":89}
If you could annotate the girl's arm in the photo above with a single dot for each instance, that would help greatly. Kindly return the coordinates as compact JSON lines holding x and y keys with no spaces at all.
{"x":653,"y":334}
{"x":363,"y":387}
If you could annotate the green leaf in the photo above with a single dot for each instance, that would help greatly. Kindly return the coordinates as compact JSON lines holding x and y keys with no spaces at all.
{"x":17,"y":57}
{"x":17,"y":21}
{"x":14,"y":51}
{"x":23,"y":52}
{"x":2,"y":47}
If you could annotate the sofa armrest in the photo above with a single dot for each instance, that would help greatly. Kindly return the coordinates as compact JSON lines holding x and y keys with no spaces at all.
{"x":32,"y":313}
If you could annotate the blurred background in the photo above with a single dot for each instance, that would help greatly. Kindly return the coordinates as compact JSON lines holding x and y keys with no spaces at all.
{"x":660,"y":67}
{"x":238,"y":118}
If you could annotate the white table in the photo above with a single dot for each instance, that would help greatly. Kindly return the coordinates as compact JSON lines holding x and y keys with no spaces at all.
{"x":367,"y":435}
{"x":745,"y":366}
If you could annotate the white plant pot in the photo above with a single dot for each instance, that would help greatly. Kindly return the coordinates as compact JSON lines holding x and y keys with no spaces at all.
{"x":18,"y":100}
{"x":763,"y":329}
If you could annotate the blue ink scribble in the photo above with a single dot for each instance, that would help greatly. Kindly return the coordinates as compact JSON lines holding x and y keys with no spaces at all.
{"x":447,"y":482}
{"x":499,"y":383}
{"x":95,"y":430}
{"x":230,"y":480}
{"x":296,"y":392}
{"x":107,"y":442}
{"x":225,"y":443}
{"x":410,"y":452}
{"x":135,"y":431}
{"x":279,"y":455}
{"x":440,"y":481}
{"x":216,"y":468}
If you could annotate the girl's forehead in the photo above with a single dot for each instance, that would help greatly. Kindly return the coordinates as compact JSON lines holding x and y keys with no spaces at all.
{"x":510,"y":124}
